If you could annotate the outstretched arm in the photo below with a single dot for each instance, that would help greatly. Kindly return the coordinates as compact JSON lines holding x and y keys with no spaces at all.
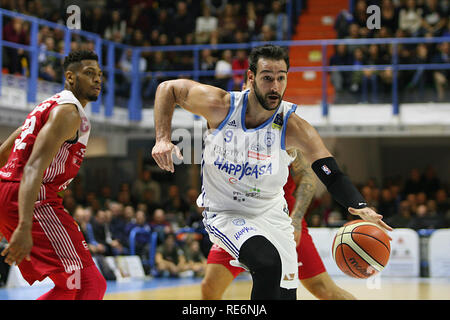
{"x":301,"y":135}
{"x":210,"y":102}
{"x":305,"y":182}
{"x":62,"y":125}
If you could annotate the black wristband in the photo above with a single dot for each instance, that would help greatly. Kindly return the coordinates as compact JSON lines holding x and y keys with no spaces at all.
{"x":338,"y":184}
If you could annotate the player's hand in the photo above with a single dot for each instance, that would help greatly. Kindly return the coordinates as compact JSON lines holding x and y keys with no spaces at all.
{"x":162,"y":153}
{"x":370,"y":215}
{"x":19,"y":247}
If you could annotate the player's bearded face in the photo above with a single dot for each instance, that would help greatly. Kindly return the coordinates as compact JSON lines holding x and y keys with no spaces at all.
{"x":89,"y":80}
{"x":85,"y":88}
{"x":269,"y":101}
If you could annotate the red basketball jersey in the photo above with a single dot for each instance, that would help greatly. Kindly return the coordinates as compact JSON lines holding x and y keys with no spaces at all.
{"x":289,"y":189}
{"x":65,"y":164}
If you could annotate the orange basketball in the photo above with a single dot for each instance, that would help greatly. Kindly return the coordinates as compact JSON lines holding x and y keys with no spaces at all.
{"x":361,"y":249}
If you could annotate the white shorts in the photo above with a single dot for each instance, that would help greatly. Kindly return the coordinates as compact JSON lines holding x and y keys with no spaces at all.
{"x":230,"y":230}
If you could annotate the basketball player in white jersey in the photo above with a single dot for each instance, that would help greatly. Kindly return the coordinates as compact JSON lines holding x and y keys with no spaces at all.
{"x":253,"y":136}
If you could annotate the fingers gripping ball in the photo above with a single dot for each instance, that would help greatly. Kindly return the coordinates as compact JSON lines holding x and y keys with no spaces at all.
{"x":361,"y":249}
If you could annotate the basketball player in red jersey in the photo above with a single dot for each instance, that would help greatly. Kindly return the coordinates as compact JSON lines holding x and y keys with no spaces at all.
{"x":298,"y":192}
{"x":36,"y":162}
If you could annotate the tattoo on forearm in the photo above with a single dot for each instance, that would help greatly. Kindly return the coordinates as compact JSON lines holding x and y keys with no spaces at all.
{"x":306,"y":187}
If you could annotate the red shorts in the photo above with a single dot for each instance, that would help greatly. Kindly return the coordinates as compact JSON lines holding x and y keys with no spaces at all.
{"x":310,"y":263}
{"x":58,"y":244}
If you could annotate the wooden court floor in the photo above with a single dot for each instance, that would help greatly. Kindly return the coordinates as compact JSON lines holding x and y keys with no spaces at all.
{"x":375,"y":289}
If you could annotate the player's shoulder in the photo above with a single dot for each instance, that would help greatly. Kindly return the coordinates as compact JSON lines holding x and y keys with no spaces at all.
{"x":65,"y":112}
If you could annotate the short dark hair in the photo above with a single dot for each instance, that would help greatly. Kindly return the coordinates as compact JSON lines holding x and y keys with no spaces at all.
{"x":268,"y":51}
{"x":75,"y":57}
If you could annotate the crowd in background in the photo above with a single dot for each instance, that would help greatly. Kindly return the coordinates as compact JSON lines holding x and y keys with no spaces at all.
{"x":399,"y":19}
{"x":187,"y":22}
{"x":419,"y":201}
{"x":150,"y":23}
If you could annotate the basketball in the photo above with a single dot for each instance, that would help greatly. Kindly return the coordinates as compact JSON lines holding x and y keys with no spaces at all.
{"x":361,"y":249}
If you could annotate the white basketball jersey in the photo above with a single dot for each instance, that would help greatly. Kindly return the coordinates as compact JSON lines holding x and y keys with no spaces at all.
{"x":244,"y":169}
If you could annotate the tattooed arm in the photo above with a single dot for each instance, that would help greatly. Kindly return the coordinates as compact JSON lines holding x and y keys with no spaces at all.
{"x":305,"y":181}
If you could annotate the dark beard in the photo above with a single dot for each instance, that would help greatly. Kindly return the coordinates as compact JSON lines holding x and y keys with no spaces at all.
{"x":92,"y":98}
{"x":78,"y":91}
{"x":262,"y":101}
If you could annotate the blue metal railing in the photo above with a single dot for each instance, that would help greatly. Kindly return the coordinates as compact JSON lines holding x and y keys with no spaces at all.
{"x":135,"y":100}
{"x":152,"y":239}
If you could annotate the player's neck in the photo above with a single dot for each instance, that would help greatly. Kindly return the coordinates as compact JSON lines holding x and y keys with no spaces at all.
{"x":82,"y":100}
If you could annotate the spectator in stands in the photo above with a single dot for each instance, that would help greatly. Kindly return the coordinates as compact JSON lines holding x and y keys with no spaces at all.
{"x":147,"y":200}
{"x":442,"y":202}
{"x":387,"y":205}
{"x":370,"y":75}
{"x":169,"y":258}
{"x":183,"y":22}
{"x":118,"y":224}
{"x":267,"y":34}
{"x":389,"y":16}
{"x":159,"y":63}
{"x":413,"y":183}
{"x":410,"y":18}
{"x":102,"y":234}
{"x":340,"y":79}
{"x":125,"y":65}
{"x":239,"y":66}
{"x":83,"y":217}
{"x":254,"y":21}
{"x":403,"y":217}
{"x":115,"y":25}
{"x":160,"y":225}
{"x":360,"y":14}
{"x":335,"y":219}
{"x":420,"y":76}
{"x":105,"y":197}
{"x":446,"y":31}
{"x":433,"y":19}
{"x":216,"y":6}
{"x":92,"y":201}
{"x":357,"y":75}
{"x":205,"y":25}
{"x":315,"y":221}
{"x":175,"y":207}
{"x":138,"y":19}
{"x":227,"y":24}
{"x":96,"y":21}
{"x":424,"y":219}
{"x":431,"y":182}
{"x":164,"y":24}
{"x":69,"y":202}
{"x":342,"y":23}
{"x":207,"y":63}
{"x":49,"y":65}
{"x":322,"y":207}
{"x":15,"y":31}
{"x":142,"y":238}
{"x":195,"y":259}
{"x":353,"y":33}
{"x":441,"y":76}
{"x":224,"y":70}
{"x":277,"y":20}
{"x":145,"y":182}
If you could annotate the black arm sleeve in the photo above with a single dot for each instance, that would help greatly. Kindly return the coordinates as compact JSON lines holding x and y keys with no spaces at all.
{"x":338,"y":184}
